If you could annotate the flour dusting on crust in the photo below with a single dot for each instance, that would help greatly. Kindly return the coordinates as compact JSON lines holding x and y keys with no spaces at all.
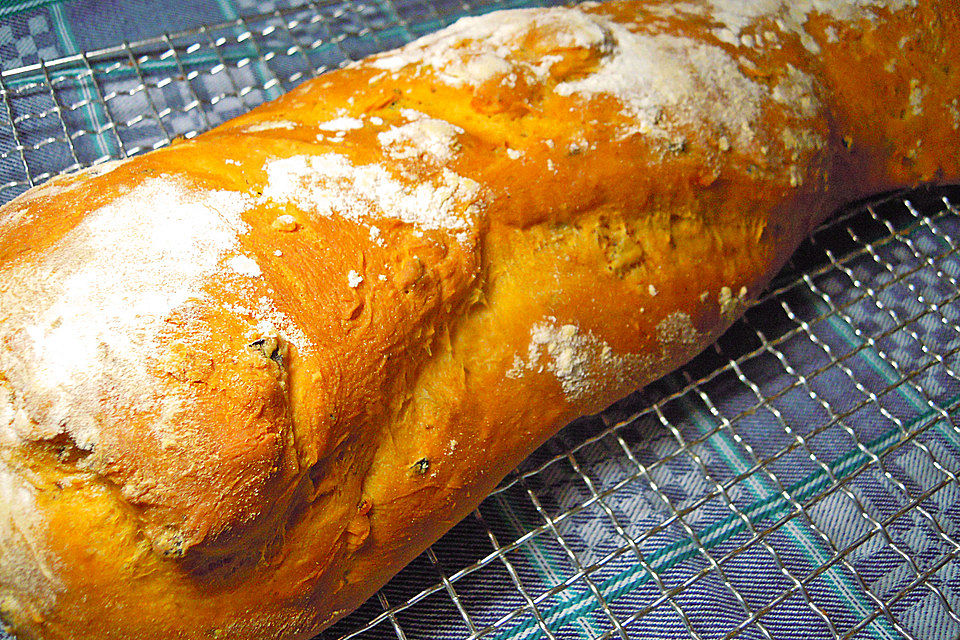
{"x":81,"y":322}
{"x":661,"y":75}
{"x":580,"y":361}
{"x":342,"y":123}
{"x":476,"y":49}
{"x":330,"y":185}
{"x":661,"y":81}
{"x":270,"y":126}
{"x":245,"y":266}
{"x":676,"y":329}
{"x":423,"y":137}
{"x":789,"y":16}
{"x":23,"y":553}
{"x":269,"y":322}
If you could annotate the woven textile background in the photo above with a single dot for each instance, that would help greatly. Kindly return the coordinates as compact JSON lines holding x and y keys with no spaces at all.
{"x":798,"y":480}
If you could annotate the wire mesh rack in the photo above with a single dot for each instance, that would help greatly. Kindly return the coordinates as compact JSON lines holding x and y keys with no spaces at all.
{"x":799,"y":479}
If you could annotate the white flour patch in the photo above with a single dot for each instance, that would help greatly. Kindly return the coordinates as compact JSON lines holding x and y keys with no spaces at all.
{"x":954,"y":108}
{"x":797,"y":92}
{"x":24,"y":558}
{"x":330,"y":185}
{"x":917,"y":93}
{"x":341,"y":124}
{"x":676,"y":328}
{"x":424,"y":137}
{"x":790,"y":15}
{"x":10,"y":415}
{"x":579,"y":360}
{"x":664,"y":75}
{"x":245,"y":266}
{"x":270,"y":126}
{"x":14,"y":214}
{"x":81,"y":323}
{"x":270,"y":322}
{"x":476,"y":49}
{"x":661,"y":80}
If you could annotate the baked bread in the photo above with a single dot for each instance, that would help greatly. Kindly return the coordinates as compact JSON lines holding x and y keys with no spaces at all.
{"x":245,"y":378}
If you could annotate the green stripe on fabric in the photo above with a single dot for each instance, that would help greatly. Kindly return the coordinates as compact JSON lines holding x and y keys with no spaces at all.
{"x":8,"y":9}
{"x":390,"y":9}
{"x":882,"y":367}
{"x":259,"y":67}
{"x":865,"y":353}
{"x":121,"y":72}
{"x":204,"y":58}
{"x":538,"y":558}
{"x":807,"y":542}
{"x":892,"y":377}
{"x":95,"y":118}
{"x":773,"y":507}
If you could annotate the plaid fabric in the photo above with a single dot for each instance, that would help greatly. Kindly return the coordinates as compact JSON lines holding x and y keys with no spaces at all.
{"x":798,"y":480}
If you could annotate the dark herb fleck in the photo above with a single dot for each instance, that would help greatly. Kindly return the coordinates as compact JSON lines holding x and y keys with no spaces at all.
{"x":270,"y":348}
{"x":421,"y":466}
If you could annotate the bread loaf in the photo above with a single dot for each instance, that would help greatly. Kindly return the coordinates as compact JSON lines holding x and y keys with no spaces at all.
{"x":246,"y":378}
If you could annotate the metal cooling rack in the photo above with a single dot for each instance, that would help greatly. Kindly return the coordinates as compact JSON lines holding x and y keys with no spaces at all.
{"x":797,"y":480}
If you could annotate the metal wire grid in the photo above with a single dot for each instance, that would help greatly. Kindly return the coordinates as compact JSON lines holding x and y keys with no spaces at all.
{"x":670,"y":408}
{"x":807,"y":463}
{"x":87,"y":108}
{"x":665,"y":415}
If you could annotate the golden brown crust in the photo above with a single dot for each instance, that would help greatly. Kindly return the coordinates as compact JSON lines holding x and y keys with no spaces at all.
{"x":244,"y":379}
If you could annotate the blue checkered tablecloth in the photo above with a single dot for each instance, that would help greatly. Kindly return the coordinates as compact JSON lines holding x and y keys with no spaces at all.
{"x":798,"y":480}
{"x":33,"y":30}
